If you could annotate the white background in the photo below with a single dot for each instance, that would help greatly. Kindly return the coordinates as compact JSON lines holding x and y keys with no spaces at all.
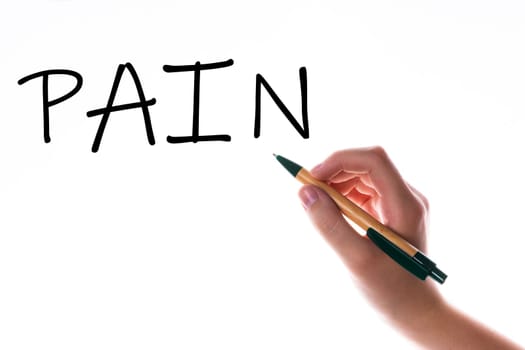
{"x":205,"y":246}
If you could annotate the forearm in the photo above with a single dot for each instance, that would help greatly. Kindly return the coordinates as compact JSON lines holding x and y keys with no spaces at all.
{"x":447,"y":328}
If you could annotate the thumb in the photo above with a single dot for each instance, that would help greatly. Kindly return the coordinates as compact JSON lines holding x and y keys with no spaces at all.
{"x":354,"y":249}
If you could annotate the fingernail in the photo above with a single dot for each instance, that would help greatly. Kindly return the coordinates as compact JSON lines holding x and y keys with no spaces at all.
{"x":308,"y":196}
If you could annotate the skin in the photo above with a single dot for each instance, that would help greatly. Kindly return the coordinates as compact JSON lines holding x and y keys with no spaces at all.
{"x":368,"y":177}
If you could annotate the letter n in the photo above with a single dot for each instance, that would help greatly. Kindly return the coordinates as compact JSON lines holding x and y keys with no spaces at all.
{"x":259,"y":80}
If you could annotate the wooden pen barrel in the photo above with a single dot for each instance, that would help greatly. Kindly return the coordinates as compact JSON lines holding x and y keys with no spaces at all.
{"x":352,"y":211}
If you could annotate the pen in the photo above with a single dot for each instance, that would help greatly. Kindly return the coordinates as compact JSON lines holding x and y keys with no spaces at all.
{"x":404,"y":253}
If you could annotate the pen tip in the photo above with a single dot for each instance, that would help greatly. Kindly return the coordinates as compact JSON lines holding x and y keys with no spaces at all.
{"x":292,"y":167}
{"x":275,"y":155}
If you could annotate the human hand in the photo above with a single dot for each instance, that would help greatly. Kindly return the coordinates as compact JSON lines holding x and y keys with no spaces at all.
{"x":369,"y":179}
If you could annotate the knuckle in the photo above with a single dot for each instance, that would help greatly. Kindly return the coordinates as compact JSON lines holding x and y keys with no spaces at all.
{"x":337,"y":155}
{"x":419,"y":211}
{"x":414,"y":209}
{"x":416,"y":215}
{"x":333,"y":230}
{"x":425,"y":202}
{"x":379,"y":153}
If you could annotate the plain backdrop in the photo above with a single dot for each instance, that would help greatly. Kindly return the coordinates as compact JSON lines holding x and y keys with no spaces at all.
{"x":206,"y":246}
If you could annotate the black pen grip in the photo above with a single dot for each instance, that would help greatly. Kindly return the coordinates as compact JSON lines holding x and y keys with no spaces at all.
{"x":397,"y":254}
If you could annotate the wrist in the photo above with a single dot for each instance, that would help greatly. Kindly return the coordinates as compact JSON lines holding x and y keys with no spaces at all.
{"x":422,"y":315}
{"x":429,"y":327}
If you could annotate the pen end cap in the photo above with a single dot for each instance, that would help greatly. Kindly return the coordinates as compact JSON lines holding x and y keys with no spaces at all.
{"x":438,"y":275}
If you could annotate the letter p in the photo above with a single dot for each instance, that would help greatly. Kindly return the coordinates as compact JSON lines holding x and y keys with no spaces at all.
{"x":45,"y":92}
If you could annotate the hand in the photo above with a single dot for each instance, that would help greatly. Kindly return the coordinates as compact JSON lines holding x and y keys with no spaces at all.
{"x":368,"y":178}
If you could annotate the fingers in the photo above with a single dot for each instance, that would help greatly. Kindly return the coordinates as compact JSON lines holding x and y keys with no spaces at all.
{"x":356,"y":184}
{"x":381,"y":190}
{"x":358,"y":189}
{"x":371,"y":164}
{"x":327,"y":218}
